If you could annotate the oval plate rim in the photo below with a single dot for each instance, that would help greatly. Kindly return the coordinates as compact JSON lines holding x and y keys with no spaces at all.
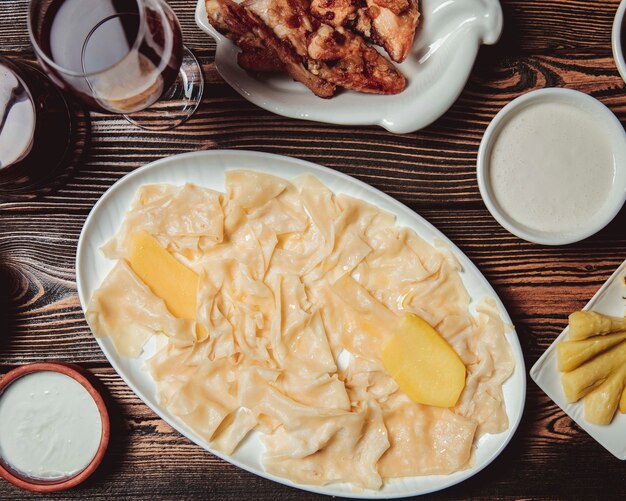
{"x":217,"y":159}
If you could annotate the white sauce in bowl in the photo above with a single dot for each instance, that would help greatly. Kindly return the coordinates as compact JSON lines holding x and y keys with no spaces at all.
{"x":552,"y":167}
{"x":50,"y":426}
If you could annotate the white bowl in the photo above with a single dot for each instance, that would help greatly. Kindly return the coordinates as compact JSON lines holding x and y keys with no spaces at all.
{"x":616,"y":40}
{"x":614,"y":132}
{"x":445,"y":48}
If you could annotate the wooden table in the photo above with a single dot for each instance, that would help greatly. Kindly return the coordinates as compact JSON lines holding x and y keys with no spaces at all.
{"x":546,"y":43}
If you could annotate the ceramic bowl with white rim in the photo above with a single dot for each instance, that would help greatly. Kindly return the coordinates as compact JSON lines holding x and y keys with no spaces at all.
{"x":611,"y":129}
{"x":619,"y":30}
{"x":445,"y":48}
{"x":207,"y":168}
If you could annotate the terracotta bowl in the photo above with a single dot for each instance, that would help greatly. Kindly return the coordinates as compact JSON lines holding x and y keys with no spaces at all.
{"x":81,"y":376}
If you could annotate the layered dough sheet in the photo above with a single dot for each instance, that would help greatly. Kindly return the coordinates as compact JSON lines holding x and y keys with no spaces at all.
{"x":290,"y":277}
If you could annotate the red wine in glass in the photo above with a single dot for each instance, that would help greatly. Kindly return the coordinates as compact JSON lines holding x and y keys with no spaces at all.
{"x":35,"y":128}
{"x":118,"y":56}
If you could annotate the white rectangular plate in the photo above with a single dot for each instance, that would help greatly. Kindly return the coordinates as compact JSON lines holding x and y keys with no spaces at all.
{"x":610,"y":300}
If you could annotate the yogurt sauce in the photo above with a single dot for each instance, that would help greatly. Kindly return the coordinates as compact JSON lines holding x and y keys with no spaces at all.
{"x":552,"y":167}
{"x":50,"y":426}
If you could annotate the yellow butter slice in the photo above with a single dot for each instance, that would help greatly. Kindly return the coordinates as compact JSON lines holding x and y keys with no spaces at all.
{"x":423,"y":364}
{"x":166,"y":276}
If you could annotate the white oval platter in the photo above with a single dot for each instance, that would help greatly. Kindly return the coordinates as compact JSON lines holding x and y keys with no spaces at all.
{"x":206,"y":168}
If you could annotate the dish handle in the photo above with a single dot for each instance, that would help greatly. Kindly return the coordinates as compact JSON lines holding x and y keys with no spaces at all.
{"x":492,"y":21}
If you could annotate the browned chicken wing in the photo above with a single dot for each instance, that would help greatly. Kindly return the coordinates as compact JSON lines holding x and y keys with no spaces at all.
{"x":389,"y":23}
{"x":282,"y":35}
{"x":258,"y":58}
{"x":254,"y":55}
{"x":292,"y":61}
{"x":335,"y":54}
{"x":352,"y":64}
{"x":336,"y":12}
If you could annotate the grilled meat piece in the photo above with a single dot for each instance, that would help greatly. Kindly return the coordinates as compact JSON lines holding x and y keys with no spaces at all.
{"x":333,"y":53}
{"x":345,"y":60}
{"x":254,"y":55}
{"x":223,"y":20}
{"x":337,"y":12}
{"x":292,"y":62}
{"x":389,"y":23}
{"x":281,"y":35}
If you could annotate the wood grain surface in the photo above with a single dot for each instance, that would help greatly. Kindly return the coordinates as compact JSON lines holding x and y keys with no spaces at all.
{"x":546,"y":43}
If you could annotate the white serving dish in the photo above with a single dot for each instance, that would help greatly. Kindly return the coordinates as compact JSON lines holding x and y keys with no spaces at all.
{"x":447,"y":42}
{"x":610,"y":300}
{"x":614,"y":132}
{"x":206,"y":168}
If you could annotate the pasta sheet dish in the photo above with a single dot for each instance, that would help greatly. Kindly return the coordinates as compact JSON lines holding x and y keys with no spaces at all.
{"x":281,"y":296}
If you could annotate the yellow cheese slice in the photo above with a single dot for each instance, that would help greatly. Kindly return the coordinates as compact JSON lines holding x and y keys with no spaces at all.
{"x":166,"y":276}
{"x":423,"y":364}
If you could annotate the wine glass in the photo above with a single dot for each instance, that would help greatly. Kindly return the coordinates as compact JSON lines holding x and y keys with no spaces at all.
{"x":118,"y":56}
